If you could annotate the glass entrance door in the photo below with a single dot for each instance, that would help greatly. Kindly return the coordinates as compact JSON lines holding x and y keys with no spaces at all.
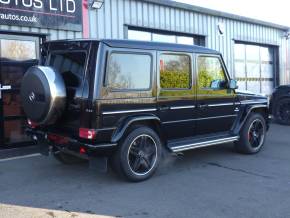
{"x":17,"y":54}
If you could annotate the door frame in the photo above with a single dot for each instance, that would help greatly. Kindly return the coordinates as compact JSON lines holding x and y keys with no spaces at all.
{"x":218,"y":103}
{"x":174,"y":109}
{"x":10,"y":35}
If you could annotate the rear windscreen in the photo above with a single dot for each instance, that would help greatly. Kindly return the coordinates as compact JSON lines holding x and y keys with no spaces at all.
{"x":71,"y":65}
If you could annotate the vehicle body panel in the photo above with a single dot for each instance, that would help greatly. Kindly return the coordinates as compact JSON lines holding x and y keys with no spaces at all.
{"x":174,"y":114}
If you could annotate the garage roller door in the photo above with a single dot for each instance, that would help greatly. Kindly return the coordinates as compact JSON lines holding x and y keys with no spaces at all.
{"x":254,"y":68}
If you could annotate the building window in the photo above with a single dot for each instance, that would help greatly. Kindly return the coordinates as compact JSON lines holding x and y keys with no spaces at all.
{"x":164,"y":36}
{"x":185,"y":40}
{"x":175,"y":71}
{"x":255,"y":68}
{"x":210,"y":70}
{"x":124,"y":71}
{"x":139,"y":35}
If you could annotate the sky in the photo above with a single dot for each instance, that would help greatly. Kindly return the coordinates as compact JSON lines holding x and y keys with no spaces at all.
{"x":277,"y":11}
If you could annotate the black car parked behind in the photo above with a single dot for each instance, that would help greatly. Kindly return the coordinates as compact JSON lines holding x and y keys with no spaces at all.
{"x":280,"y":104}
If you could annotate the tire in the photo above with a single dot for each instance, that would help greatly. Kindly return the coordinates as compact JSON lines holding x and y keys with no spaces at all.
{"x":67,"y":159}
{"x":43,"y":95}
{"x":252,"y":135}
{"x":138,"y":155}
{"x":282,"y":111}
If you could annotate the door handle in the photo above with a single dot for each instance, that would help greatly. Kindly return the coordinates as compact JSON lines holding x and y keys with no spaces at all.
{"x":5,"y":88}
{"x":203,"y":106}
{"x":2,"y":88}
{"x":164,"y":107}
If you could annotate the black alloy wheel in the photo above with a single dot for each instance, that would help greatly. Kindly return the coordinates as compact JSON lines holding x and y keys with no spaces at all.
{"x":252,"y":134}
{"x":138,"y":154}
{"x":142,"y":154}
{"x":282,"y":111}
{"x":256,"y":134}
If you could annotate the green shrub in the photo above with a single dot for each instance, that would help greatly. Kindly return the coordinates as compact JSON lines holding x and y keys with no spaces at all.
{"x":174,"y":79}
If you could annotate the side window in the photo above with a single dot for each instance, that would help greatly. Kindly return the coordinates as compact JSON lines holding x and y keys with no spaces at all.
{"x":211,"y":74}
{"x":129,"y":71}
{"x":175,"y":71}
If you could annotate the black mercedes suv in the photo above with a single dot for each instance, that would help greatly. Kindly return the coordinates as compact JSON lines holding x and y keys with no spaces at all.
{"x":125,"y":101}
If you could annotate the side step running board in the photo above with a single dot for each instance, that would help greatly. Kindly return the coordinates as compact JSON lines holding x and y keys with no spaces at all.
{"x":185,"y":147}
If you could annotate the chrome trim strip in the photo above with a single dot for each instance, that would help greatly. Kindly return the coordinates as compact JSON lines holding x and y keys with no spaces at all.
{"x":129,"y":111}
{"x":178,"y":121}
{"x":182,"y":107}
{"x":217,"y":117}
{"x":206,"y":118}
{"x":222,"y":104}
{"x":253,"y":102}
{"x":204,"y":144}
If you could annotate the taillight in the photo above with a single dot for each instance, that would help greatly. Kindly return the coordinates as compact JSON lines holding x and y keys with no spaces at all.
{"x":87,"y":133}
{"x":31,"y":124}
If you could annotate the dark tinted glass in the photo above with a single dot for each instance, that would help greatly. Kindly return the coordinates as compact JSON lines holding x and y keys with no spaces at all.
{"x":71,"y":65}
{"x":129,"y":71}
{"x":175,"y":71}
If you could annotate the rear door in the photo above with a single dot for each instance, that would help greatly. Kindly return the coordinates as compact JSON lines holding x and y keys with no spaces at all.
{"x":17,"y":54}
{"x":176,"y":100}
{"x":216,"y":105}
{"x":71,"y":60}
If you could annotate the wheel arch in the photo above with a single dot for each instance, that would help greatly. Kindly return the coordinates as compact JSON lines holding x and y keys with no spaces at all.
{"x":126,"y":124}
{"x":262,"y":109}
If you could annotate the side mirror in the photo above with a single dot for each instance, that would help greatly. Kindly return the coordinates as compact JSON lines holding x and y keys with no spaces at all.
{"x":233,"y":84}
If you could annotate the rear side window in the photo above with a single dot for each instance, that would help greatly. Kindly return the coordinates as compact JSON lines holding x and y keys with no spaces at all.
{"x":129,"y":71}
{"x":71,"y":65}
{"x":175,"y":71}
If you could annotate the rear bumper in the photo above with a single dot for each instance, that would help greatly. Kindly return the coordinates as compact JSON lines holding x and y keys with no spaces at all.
{"x":70,"y":144}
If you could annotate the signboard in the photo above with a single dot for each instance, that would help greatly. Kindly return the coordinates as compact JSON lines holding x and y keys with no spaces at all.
{"x":56,"y":14}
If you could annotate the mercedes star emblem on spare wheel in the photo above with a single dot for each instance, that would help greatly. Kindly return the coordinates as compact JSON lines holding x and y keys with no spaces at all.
{"x":31,"y":96}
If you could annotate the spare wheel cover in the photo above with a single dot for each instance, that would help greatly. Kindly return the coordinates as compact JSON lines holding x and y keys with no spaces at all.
{"x":43,"y":94}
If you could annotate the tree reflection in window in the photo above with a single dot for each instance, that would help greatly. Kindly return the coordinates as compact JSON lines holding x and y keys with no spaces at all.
{"x":209,"y":70}
{"x":175,"y":71}
{"x":129,"y":71}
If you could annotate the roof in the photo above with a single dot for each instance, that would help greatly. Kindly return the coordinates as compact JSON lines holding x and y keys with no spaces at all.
{"x":145,"y":45}
{"x":157,"y":46}
{"x":173,"y":4}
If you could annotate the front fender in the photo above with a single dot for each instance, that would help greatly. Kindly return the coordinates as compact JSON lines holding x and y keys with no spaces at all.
{"x":247,"y":110}
{"x":124,"y":125}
